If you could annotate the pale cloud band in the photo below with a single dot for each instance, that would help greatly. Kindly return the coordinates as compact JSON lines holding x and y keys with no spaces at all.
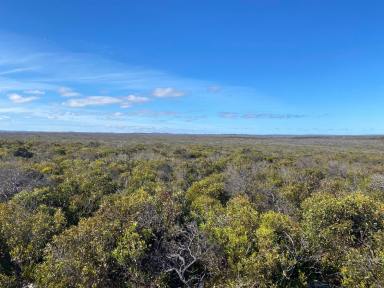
{"x":167,"y":92}
{"x":124,"y":101}
{"x":68,"y":92}
{"x":19,"y":99}
{"x":235,"y":115}
{"x":35,"y":92}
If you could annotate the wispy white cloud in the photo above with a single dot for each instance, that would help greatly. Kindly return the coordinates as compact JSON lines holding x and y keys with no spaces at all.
{"x":17,"y":70}
{"x":130,"y":100}
{"x":229,"y":115}
{"x":272,"y":116}
{"x":35,"y":92}
{"x":167,"y":92}
{"x":117,"y":114}
{"x":10,"y":85}
{"x":155,"y":114}
{"x":4,"y":117}
{"x":235,"y":115}
{"x":73,"y":75}
{"x":19,"y":99}
{"x":92,"y":101}
{"x":124,"y":101}
{"x":84,"y":120}
{"x":67,"y":92}
{"x":136,"y":99}
{"x":167,"y":115}
{"x":76,"y":74}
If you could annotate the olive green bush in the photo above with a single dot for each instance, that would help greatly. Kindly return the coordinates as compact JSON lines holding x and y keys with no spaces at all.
{"x":94,"y":211}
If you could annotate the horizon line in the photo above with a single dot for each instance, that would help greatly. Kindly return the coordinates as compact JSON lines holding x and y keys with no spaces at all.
{"x":191,"y":134}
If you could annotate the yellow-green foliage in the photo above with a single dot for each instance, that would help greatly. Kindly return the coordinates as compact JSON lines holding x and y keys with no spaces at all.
{"x":171,"y":211}
{"x":79,"y":257}
{"x":3,"y":152}
{"x":205,"y":196}
{"x":234,"y":230}
{"x":211,"y":186}
{"x":278,"y":252}
{"x":130,"y":246}
{"x":334,"y":225}
{"x":364,"y":266}
{"x":27,"y":232}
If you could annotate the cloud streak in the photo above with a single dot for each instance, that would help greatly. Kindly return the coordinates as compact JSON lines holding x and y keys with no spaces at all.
{"x":19,"y":99}
{"x":92,"y":101}
{"x":167,"y":92}
{"x":123,"y":102}
{"x":35,"y":92}
{"x":67,"y":92}
{"x":235,"y":115}
{"x":31,"y":66}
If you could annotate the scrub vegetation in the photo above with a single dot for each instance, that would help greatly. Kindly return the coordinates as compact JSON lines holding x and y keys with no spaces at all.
{"x":102,"y":210}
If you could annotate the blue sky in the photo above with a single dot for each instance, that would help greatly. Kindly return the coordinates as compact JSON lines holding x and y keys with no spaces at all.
{"x":252,"y":67}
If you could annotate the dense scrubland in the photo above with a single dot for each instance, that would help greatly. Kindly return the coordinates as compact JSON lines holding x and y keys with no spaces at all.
{"x":88,"y":210}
